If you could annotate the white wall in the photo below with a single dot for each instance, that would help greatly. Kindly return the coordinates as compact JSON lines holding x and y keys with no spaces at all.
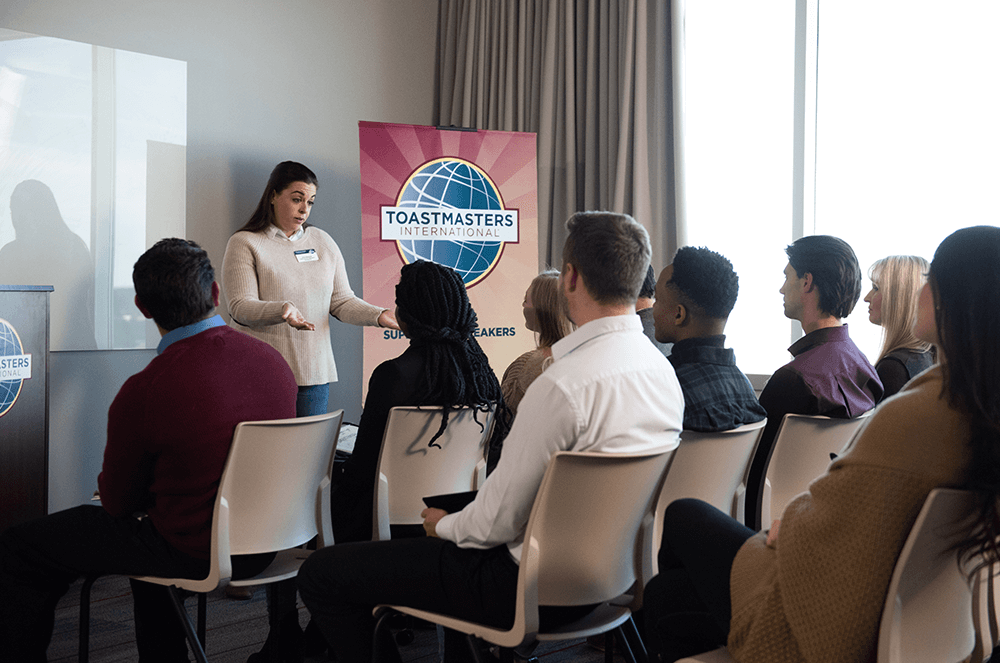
{"x":267,"y":81}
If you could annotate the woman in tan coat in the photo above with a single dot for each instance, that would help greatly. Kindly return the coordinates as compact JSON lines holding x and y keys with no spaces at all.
{"x":812,"y":587}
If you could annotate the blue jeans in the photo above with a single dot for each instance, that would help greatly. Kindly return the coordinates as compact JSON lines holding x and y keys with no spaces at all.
{"x":312,"y":399}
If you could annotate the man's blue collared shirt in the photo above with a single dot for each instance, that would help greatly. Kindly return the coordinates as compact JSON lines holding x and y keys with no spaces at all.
{"x":188,"y":331}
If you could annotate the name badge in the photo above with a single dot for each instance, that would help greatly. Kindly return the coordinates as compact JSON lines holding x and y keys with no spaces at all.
{"x":306,"y":255}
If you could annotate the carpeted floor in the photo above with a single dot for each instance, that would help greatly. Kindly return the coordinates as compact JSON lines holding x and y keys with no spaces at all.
{"x":235,"y":630}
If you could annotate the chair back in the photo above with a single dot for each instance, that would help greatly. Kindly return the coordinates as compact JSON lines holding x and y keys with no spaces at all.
{"x":273,"y":480}
{"x":985,"y":595}
{"x":801,"y":453}
{"x":589,"y":536}
{"x":928,"y":609}
{"x":711,"y":467}
{"x":409,"y":469}
{"x":927,"y":617}
{"x":274,"y":494}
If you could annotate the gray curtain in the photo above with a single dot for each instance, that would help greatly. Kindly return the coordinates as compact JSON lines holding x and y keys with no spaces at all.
{"x":593,"y":78}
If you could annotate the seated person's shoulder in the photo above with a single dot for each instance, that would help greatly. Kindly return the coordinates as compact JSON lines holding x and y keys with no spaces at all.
{"x":917,"y":417}
{"x":785,"y":379}
{"x":398,"y":367}
{"x":919,"y":398}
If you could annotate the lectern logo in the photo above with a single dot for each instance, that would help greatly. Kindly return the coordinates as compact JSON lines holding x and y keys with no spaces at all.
{"x":450,"y":212}
{"x":15,"y":366}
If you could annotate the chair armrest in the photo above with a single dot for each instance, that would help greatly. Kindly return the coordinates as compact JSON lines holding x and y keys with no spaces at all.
{"x":323,"y":513}
{"x":479,"y":475}
{"x":740,"y":503}
{"x":381,"y":525}
{"x":765,"y":509}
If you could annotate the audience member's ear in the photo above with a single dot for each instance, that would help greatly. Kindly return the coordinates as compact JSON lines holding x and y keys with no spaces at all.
{"x":570,"y":277}
{"x":215,"y":293}
{"x":807,"y":282}
{"x":142,"y":308}
{"x":680,"y":315}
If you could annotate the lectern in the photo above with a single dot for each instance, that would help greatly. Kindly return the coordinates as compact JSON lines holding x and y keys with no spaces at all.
{"x":24,"y":403}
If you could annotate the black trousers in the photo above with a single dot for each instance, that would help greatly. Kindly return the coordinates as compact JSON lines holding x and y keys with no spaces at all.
{"x":343,"y":583}
{"x":39,"y":560}
{"x":687,"y":607}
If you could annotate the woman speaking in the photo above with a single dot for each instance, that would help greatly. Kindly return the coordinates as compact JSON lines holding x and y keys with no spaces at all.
{"x":283,"y":278}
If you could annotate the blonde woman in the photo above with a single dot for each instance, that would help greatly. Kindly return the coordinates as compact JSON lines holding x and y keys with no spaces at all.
{"x":892,"y":304}
{"x":544,"y":314}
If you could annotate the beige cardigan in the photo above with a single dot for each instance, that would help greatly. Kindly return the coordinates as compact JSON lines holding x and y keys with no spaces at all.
{"x":817,"y":595}
{"x":519,"y":376}
{"x":260,"y":273}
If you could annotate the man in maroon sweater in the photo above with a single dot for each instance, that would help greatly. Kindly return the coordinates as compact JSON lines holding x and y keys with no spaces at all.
{"x":169,"y":431}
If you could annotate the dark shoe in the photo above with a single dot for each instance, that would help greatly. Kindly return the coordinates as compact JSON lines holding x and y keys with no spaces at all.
{"x":241,"y":593}
{"x":313,"y":642}
{"x":287,"y":644}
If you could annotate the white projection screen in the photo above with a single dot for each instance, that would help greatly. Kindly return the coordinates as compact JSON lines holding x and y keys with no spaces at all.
{"x":92,"y":172}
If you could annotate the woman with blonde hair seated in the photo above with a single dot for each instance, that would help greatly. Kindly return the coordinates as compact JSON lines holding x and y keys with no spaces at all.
{"x":892,"y":304}
{"x":545,"y":314}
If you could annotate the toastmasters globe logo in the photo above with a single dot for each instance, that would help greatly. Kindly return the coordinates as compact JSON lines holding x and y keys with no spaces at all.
{"x":15,"y":366}
{"x":450,"y":212}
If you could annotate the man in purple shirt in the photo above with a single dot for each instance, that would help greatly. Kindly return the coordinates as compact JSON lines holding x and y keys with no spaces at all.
{"x":828,"y":374}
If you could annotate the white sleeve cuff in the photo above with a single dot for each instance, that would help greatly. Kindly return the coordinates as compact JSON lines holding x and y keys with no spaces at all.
{"x":444,"y":527}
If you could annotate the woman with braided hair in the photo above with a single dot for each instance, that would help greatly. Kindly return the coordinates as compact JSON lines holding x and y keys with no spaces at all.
{"x":443,"y":365}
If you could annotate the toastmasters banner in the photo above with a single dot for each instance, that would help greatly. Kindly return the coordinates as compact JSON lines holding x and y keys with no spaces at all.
{"x":465,"y":199}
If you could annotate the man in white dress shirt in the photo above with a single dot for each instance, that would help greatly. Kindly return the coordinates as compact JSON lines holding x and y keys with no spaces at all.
{"x":607,"y":390}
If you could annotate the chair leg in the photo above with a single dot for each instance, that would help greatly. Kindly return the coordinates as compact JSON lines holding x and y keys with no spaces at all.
{"x":202,"y":618}
{"x":506,"y":655}
{"x":83,"y":653}
{"x":630,"y":634}
{"x":382,"y":617}
{"x":196,"y":646}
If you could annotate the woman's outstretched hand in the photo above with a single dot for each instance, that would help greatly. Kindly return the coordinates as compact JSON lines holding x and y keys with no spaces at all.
{"x":294,"y":318}
{"x":388,"y":320}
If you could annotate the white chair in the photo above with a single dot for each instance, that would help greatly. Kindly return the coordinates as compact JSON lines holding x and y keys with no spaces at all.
{"x":927,"y":616}
{"x":712,"y":467}
{"x":409,"y":469}
{"x":588,"y":541}
{"x":928,"y":610}
{"x":986,"y":591}
{"x":274,"y":496}
{"x":801,"y":453}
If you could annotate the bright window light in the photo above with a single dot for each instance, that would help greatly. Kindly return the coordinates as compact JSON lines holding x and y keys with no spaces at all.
{"x":907,"y":129}
{"x":739,"y":89}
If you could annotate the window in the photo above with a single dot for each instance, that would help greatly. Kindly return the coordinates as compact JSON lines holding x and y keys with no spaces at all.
{"x":738,"y":116}
{"x":92,"y":169}
{"x":907,"y":128}
{"x":874,"y":122}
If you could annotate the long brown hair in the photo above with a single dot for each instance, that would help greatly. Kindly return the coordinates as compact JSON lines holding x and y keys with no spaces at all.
{"x":965,"y":280}
{"x":550,"y":308}
{"x":281,"y":177}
